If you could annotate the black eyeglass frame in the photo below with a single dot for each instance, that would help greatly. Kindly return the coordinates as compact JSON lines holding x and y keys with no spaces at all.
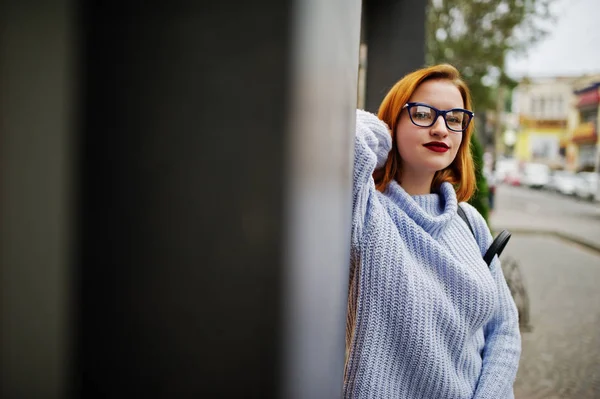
{"x":439,"y":112}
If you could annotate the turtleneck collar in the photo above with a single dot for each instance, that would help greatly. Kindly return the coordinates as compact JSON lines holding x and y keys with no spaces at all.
{"x":433,"y":212}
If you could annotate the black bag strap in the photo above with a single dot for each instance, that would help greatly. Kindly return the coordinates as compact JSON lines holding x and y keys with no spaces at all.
{"x":463,"y":216}
{"x":498,"y":244}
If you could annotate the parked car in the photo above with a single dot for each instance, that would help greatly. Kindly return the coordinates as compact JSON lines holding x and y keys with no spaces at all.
{"x":587,"y":185}
{"x":513,"y":178}
{"x":535,"y":175}
{"x":505,"y":169}
{"x":563,"y":182}
{"x":554,"y":176}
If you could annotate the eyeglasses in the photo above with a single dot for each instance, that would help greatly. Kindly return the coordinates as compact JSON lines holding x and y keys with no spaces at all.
{"x":423,"y":115}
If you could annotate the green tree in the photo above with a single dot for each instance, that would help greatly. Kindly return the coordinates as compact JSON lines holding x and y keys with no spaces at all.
{"x":476,"y":36}
{"x":480,"y":199}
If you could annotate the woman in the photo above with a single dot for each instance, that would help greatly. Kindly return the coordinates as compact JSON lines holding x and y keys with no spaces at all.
{"x":427,"y":318}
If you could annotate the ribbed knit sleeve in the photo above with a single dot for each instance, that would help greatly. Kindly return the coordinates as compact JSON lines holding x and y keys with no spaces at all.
{"x":372,"y":143}
{"x":502,"y":348}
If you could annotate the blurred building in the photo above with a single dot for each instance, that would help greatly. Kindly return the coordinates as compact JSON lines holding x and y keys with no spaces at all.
{"x":582,"y":146}
{"x":542,"y":109}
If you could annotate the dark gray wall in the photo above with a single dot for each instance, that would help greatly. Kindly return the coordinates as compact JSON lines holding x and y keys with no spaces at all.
{"x":216,"y":181}
{"x":35,"y":164}
{"x":211,"y":171}
{"x":394,"y":31}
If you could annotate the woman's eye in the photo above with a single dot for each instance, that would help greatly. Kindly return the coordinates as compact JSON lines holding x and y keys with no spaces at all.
{"x":422,"y":115}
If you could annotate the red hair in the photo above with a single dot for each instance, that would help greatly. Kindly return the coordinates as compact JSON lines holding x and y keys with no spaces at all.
{"x":461,"y":172}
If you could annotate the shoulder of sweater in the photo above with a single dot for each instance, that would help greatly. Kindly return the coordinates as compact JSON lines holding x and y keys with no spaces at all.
{"x":472,"y":213}
{"x":482,"y":231}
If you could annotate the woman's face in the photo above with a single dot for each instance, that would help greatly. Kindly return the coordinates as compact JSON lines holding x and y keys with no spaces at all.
{"x":425,"y":150}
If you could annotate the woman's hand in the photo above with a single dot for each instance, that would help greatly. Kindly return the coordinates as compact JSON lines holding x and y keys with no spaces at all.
{"x":376,"y":133}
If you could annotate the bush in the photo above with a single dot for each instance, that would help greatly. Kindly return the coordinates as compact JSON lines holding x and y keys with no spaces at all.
{"x":480,"y":199}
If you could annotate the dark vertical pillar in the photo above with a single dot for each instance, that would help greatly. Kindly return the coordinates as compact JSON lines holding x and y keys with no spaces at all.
{"x":183,"y":165}
{"x":215,"y":195}
{"x":395,"y":37}
{"x":35,"y":206}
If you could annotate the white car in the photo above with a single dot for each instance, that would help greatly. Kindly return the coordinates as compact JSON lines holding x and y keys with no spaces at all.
{"x":535,"y":175}
{"x":563,"y":181}
{"x":587,"y":185}
{"x":506,"y":168}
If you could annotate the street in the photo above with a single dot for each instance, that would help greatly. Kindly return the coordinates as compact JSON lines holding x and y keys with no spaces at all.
{"x":526,"y":210}
{"x":552,"y":243}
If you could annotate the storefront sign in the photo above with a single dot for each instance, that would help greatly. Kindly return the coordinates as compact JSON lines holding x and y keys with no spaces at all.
{"x":585,"y":133}
{"x":590,"y":97}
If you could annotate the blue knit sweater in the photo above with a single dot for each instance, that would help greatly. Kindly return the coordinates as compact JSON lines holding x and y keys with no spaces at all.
{"x":432,"y":320}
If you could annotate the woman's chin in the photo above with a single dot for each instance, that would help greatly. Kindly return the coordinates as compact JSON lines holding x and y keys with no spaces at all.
{"x":436,"y":166}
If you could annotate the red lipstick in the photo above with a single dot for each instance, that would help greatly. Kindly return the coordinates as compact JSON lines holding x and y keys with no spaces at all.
{"x":437,"y":146}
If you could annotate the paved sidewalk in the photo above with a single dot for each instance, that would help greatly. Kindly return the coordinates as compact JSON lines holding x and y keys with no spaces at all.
{"x":530,"y":218}
{"x":561,"y":354}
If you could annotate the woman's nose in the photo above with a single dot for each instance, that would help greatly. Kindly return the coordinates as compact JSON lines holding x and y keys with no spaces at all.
{"x":439,"y":127}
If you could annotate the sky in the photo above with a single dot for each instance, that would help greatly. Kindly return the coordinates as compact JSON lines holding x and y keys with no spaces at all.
{"x":571,"y":48}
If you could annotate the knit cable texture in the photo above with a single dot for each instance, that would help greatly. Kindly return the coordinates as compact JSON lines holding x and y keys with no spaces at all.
{"x":432,"y":320}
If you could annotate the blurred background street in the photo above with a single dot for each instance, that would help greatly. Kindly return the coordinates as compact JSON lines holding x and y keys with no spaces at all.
{"x":539,"y":211}
{"x":561,"y":353}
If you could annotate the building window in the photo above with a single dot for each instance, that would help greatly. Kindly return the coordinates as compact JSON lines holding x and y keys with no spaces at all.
{"x":589,"y":115}
{"x":544,"y":147}
{"x":587,"y":157}
{"x":560,"y":105}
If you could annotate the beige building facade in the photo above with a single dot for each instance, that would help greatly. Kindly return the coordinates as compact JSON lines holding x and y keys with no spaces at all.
{"x":543,"y":109}
{"x":583,"y":142}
